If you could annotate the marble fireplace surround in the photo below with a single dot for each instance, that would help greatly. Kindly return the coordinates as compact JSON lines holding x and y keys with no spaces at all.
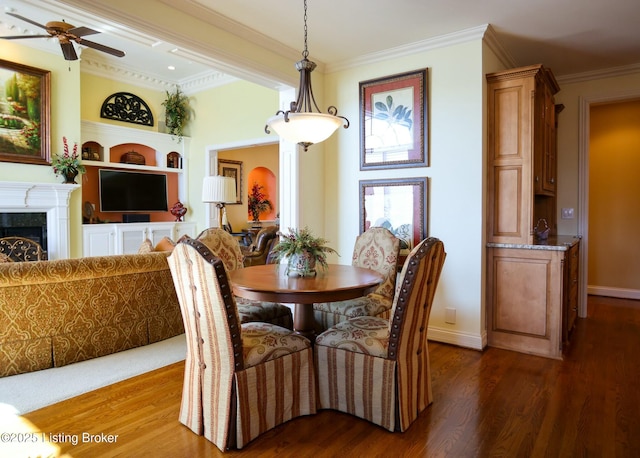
{"x":50,"y":198}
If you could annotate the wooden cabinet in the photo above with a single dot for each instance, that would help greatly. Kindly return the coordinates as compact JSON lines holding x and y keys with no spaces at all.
{"x":532,"y":289}
{"x":521,"y":155}
{"x":530,"y":301}
{"x":110,"y":239}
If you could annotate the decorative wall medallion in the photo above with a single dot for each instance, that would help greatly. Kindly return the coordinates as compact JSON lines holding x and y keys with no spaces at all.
{"x":126,"y":107}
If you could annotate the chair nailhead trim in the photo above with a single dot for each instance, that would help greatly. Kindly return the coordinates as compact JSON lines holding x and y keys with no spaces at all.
{"x":408,"y":281}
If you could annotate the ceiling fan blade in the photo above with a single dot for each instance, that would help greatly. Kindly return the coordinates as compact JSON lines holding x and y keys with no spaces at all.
{"x":18,"y":37}
{"x":103,"y":48}
{"x":68,"y":51}
{"x":81,"y":31}
{"x":27,"y":20}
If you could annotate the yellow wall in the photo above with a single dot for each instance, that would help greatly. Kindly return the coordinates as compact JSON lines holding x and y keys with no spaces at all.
{"x":65,"y":122}
{"x":96,"y":89}
{"x":614,"y":195}
{"x":455,"y":207}
{"x":224,"y":115}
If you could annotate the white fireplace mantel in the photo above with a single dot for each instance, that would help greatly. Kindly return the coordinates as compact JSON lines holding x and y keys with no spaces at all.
{"x":50,"y":198}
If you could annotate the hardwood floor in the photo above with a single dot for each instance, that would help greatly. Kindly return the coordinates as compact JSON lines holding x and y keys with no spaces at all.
{"x":491,"y":403}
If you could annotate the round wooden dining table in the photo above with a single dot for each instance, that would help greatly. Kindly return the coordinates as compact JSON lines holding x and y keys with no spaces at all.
{"x":271,"y":283}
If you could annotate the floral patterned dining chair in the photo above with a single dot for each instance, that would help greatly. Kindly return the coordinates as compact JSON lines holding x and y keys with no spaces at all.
{"x":376,"y":249}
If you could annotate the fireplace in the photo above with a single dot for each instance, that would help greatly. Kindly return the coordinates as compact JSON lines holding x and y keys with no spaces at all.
{"x":37,"y":210}
{"x":32,"y":226}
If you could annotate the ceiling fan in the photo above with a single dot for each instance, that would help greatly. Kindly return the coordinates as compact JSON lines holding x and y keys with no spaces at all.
{"x":66,"y":34}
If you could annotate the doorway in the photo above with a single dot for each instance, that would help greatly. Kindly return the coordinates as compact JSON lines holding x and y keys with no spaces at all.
{"x":247,"y":156}
{"x":584,"y":191}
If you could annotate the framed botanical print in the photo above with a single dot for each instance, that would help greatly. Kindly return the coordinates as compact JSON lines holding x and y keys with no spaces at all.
{"x":233,"y":169}
{"x":24,"y":113}
{"x":399,"y":205}
{"x":393,"y":121}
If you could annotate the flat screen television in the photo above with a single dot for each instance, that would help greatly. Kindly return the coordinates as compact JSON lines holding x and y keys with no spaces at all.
{"x":124,"y":191}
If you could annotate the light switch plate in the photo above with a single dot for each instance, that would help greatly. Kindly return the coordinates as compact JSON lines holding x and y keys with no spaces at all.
{"x":567,"y":213}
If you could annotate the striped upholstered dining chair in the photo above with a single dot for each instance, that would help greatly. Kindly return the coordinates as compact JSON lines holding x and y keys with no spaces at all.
{"x":240,"y":380}
{"x":225,"y":246}
{"x":378,"y":369}
{"x":377,"y":249}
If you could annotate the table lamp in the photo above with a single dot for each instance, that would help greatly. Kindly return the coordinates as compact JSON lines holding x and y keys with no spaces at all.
{"x":219,"y":190}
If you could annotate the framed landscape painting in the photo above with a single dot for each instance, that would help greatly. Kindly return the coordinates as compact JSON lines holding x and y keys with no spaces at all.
{"x":399,"y":205}
{"x":24,"y":113}
{"x":393,"y":121}
{"x":233,"y":169}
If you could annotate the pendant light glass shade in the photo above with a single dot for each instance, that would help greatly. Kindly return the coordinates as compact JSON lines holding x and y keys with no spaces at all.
{"x":305,"y":128}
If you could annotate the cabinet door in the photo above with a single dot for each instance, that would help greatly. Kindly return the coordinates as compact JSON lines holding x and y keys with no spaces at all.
{"x":130,"y":237}
{"x":545,"y":141}
{"x":184,"y":229}
{"x":549,"y":159}
{"x":509,"y":160}
{"x":158,"y":231}
{"x":98,"y":240}
{"x":524,"y":297}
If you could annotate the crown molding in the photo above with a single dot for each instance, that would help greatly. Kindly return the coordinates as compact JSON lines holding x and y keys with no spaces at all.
{"x":599,"y":74}
{"x":205,"y":81}
{"x":196,"y":83}
{"x":442,"y":41}
{"x":99,"y":67}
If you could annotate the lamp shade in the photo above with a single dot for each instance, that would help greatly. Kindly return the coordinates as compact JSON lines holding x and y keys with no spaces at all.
{"x":219,"y":190}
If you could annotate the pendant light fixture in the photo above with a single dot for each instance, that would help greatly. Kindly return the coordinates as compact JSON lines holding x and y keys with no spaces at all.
{"x":300,"y":124}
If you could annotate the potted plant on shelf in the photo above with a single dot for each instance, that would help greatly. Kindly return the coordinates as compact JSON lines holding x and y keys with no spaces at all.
{"x":68,"y":164}
{"x":302,"y":252}
{"x":177,"y":111}
{"x":257,"y":202}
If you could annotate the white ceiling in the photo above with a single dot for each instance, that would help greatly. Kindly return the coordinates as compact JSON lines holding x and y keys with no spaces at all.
{"x":569,"y":36}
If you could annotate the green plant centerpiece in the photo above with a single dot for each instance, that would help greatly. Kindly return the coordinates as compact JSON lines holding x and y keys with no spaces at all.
{"x":302,"y":251}
{"x":68,"y":163}
{"x":257,"y":202}
{"x":177,"y":112}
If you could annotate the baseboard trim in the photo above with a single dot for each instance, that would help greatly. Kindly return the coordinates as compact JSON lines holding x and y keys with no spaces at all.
{"x":622,"y":293}
{"x":461,"y":339}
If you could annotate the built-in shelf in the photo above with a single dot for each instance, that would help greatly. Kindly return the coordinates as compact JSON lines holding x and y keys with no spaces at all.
{"x":105,"y":145}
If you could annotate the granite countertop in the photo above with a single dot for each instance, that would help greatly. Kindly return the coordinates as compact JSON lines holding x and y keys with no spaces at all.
{"x":555,"y":243}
